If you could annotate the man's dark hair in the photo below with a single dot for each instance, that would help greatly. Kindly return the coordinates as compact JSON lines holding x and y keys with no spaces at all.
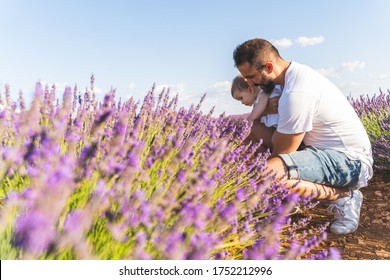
{"x":255,"y":51}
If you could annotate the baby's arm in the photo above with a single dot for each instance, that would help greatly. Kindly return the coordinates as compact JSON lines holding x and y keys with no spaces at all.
{"x":259,"y":106}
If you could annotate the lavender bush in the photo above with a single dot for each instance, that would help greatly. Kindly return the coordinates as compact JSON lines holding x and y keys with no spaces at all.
{"x":83,"y":179}
{"x":375,"y":115}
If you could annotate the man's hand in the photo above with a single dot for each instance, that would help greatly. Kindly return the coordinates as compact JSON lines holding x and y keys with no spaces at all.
{"x":272,"y":106}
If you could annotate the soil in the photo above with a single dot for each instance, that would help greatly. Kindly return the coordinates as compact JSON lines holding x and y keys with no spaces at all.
{"x":371,"y":241}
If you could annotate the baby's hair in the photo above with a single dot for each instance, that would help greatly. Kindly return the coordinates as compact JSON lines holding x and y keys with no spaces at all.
{"x":239,"y":83}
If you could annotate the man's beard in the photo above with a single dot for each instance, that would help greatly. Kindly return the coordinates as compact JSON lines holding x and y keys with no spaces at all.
{"x":267,"y":86}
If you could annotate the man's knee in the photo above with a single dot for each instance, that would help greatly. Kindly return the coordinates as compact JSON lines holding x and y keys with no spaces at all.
{"x":277,"y":165}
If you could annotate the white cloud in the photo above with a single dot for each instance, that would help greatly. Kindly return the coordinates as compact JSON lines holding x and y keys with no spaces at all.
{"x":333,"y":72}
{"x":174,"y":88}
{"x":353,"y":66}
{"x":301,"y":41}
{"x":283,"y":43}
{"x":355,"y":89}
{"x":131,"y":86}
{"x":383,"y":76}
{"x":330,"y":72}
{"x":309,"y":41}
{"x":221,"y":87}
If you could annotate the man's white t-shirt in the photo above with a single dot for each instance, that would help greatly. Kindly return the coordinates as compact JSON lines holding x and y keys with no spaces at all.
{"x":310,"y":103}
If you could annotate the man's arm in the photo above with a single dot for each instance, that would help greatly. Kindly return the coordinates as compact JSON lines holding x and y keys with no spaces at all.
{"x":285,"y":143}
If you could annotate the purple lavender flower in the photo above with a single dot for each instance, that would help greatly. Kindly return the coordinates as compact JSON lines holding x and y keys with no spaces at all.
{"x":33,"y":232}
{"x":73,"y":222}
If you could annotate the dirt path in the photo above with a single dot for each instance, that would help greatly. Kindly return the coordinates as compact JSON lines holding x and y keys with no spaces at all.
{"x":372,"y":239}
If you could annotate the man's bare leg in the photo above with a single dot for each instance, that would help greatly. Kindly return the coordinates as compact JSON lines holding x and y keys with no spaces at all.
{"x":305,"y":188}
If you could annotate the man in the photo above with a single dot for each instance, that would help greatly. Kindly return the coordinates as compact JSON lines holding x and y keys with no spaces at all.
{"x":337,"y":159}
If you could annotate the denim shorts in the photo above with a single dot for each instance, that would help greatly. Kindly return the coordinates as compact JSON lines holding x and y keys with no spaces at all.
{"x":323,"y":166}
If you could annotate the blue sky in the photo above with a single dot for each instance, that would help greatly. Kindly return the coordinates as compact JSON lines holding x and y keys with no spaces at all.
{"x":187,"y":45}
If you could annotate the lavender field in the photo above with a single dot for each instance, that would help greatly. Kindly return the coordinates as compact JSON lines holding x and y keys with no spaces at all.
{"x":83,"y":178}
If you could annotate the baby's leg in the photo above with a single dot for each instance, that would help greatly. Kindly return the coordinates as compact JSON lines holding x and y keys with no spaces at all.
{"x":260,"y":131}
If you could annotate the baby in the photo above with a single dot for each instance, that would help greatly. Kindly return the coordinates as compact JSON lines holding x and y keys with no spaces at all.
{"x":257,"y":97}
